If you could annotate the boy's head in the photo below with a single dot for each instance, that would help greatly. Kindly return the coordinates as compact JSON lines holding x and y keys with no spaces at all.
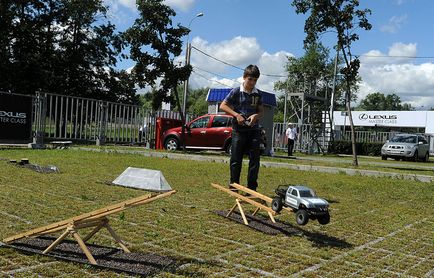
{"x":251,"y":71}
{"x":250,"y":76}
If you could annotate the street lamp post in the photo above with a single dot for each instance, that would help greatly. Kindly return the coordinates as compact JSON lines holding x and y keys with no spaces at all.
{"x":187,"y":62}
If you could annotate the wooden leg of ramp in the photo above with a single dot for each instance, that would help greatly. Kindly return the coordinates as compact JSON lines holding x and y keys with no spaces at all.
{"x":117,"y":238}
{"x":232,"y":209}
{"x":95,"y":230}
{"x":242,"y":212}
{"x":84,"y":247}
{"x":271,"y":217}
{"x":258,"y":200}
{"x":256,"y":211}
{"x":57,"y":241}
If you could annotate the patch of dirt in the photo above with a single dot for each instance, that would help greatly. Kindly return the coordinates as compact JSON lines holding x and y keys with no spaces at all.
{"x":106,"y":257}
{"x":262,"y":224}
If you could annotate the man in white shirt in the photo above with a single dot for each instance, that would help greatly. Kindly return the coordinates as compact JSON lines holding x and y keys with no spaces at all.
{"x":291,"y":134}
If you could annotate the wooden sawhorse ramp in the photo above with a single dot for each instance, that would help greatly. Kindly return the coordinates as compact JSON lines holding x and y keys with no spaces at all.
{"x":254,"y":198}
{"x":97,"y":219}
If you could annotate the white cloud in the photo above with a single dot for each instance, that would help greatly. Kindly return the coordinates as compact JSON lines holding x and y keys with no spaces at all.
{"x":395,"y":23}
{"x":183,"y":5}
{"x":399,"y":53}
{"x":413,"y":83}
{"x":240,"y":52}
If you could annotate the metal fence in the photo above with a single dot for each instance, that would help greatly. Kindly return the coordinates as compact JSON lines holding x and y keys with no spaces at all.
{"x":58,"y":117}
{"x":307,"y":144}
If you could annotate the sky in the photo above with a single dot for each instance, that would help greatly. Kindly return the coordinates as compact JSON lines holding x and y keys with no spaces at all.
{"x":397,"y":54}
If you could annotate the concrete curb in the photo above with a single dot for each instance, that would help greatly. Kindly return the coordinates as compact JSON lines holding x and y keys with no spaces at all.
{"x":266,"y":164}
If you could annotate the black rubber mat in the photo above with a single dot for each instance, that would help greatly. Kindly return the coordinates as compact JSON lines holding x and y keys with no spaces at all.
{"x":145,"y":264}
{"x":262,"y":224}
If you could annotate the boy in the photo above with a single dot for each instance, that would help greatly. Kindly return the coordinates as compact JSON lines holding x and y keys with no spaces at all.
{"x":245,"y":105}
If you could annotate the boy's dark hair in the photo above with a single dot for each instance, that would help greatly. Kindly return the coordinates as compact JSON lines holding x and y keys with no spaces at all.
{"x":251,"y":71}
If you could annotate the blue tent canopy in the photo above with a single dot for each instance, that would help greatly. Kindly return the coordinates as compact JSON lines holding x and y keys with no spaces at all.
{"x":218,"y":95}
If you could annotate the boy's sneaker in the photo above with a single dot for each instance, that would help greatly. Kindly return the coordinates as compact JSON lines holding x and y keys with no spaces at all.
{"x":232,"y":188}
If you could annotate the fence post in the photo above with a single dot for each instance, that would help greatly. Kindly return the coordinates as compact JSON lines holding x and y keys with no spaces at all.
{"x":100,"y":140}
{"x":40,"y":113}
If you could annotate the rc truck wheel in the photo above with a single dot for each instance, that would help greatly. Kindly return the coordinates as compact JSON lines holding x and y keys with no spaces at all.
{"x":171,"y":144}
{"x":383,"y":157}
{"x":324,"y":219}
{"x":276,"y":204}
{"x":302,"y":217}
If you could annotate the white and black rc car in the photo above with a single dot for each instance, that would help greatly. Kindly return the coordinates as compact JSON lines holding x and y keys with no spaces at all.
{"x":303,"y":202}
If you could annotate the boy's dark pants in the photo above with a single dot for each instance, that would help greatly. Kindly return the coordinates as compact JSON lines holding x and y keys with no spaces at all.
{"x":245,"y":142}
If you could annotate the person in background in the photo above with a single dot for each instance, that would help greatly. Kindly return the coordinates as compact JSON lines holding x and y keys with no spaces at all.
{"x":245,"y":105}
{"x":292,"y":135}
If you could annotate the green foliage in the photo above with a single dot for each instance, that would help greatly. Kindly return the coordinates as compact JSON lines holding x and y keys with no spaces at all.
{"x":62,"y":47}
{"x":196,"y":101}
{"x":362,"y":148}
{"x":380,"y":102}
{"x":341,"y":17}
{"x":313,"y":70}
{"x":154,"y":43}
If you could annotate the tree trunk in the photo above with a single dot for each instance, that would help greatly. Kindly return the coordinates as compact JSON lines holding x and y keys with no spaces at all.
{"x":353,"y":133}
{"x":183,"y":117}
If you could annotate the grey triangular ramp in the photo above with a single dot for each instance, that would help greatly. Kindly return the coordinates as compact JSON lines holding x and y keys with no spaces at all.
{"x":146,"y":179}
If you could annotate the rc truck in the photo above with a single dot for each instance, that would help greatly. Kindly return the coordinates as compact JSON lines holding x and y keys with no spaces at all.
{"x":303,"y":201}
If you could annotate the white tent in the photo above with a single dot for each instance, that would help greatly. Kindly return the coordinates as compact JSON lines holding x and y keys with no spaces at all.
{"x":146,"y":179}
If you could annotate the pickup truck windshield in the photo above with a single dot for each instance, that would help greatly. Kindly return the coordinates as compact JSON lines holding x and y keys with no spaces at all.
{"x":306,"y":193}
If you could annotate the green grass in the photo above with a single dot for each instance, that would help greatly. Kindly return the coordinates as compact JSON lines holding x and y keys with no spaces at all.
{"x":379,"y":226}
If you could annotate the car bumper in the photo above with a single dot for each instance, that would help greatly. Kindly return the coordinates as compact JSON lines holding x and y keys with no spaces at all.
{"x":397,"y":153}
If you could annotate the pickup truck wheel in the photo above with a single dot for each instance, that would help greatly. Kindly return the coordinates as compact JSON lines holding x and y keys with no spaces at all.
{"x":324,"y":219}
{"x":302,"y":217}
{"x":276,"y":204}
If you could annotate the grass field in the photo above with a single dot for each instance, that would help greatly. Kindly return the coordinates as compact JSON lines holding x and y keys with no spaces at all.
{"x":379,"y":227}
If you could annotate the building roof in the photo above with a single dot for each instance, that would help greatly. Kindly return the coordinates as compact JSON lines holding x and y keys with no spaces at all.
{"x":218,"y":95}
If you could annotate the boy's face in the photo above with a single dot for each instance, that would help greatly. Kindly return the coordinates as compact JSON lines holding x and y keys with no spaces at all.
{"x":249,"y":82}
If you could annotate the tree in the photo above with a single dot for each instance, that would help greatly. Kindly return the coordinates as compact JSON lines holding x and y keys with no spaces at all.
{"x":342,"y":17}
{"x":61,"y":46}
{"x":312,"y":70}
{"x":196,"y":103}
{"x":154,"y":43}
{"x":380,"y":102}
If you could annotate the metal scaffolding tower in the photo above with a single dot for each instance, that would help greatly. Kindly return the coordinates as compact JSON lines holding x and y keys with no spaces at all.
{"x":310,"y":111}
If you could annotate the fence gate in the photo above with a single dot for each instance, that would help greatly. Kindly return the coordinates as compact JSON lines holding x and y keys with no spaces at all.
{"x":58,"y":117}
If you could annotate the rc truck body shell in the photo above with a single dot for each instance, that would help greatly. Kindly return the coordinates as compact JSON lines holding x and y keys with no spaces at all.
{"x":303,"y":202}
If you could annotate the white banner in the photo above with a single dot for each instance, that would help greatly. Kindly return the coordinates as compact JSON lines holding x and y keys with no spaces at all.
{"x":382,"y":118}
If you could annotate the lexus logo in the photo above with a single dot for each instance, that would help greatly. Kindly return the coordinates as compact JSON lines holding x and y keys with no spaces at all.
{"x":365,"y":116}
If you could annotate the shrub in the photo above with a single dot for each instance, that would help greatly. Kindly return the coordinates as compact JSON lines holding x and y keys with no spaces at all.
{"x":362,"y":148}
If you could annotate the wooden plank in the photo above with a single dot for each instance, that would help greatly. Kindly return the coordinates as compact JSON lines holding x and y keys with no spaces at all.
{"x":253,"y":193}
{"x":93,"y":215}
{"x":244,"y":198}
